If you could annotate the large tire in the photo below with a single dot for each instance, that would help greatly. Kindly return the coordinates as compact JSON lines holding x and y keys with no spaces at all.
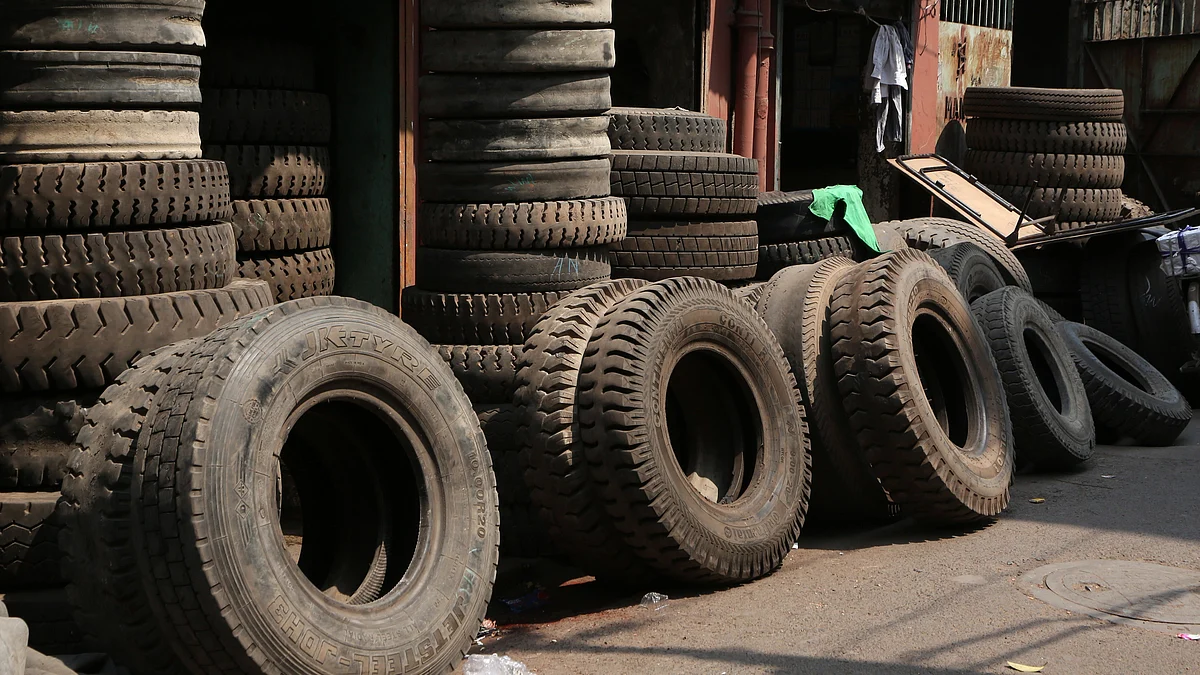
{"x":37,"y":80}
{"x":681,"y":388}
{"x":1054,"y":105}
{"x":668,"y":184}
{"x":116,"y":264}
{"x":1051,"y":419}
{"x":518,"y":51}
{"x":933,"y":233}
{"x":29,"y":529}
{"x":523,"y":534}
{"x":149,"y":25}
{"x":525,"y":225}
{"x":264,"y":116}
{"x":1047,"y":171}
{"x":776,"y":257}
{"x":263,"y":225}
{"x":268,"y":171}
{"x":1129,"y":398}
{"x":70,"y":344}
{"x":1079,"y":206}
{"x":458,"y":96}
{"x":796,"y":306}
{"x":37,"y":437}
{"x":662,"y":250}
{"x":117,"y":195}
{"x":785,"y":218}
{"x":1064,"y":138}
{"x":556,"y":470}
{"x":300,"y":275}
{"x":487,"y":373}
{"x":503,"y":182}
{"x":475,"y":318}
{"x":537,"y":271}
{"x":666,"y":130}
{"x":55,"y":136}
{"x":516,"y":140}
{"x":973,"y":271}
{"x":920,"y":385}
{"x":515,"y":13}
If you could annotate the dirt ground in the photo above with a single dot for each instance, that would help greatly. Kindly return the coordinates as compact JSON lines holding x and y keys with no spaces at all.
{"x":898,"y":599}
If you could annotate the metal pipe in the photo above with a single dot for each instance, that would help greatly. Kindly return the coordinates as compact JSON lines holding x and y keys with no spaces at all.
{"x":749,"y":24}
{"x":762,"y":112}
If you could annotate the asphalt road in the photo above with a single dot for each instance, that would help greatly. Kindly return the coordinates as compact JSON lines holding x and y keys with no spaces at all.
{"x":898,"y":599}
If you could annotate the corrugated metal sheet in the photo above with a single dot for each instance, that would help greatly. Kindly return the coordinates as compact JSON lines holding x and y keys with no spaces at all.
{"x":1132,"y":19}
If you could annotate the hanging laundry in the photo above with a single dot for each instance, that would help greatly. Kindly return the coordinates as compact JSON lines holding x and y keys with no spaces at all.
{"x":887,"y":80}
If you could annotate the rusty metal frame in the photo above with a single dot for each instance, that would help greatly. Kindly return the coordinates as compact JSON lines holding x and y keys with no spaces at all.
{"x":408,"y":199}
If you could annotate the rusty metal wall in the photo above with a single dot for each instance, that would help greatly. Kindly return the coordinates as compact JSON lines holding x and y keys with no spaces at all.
{"x":969,"y":56}
{"x":1129,"y":19}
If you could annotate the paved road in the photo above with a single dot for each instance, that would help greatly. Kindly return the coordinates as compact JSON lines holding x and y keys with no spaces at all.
{"x":900,"y":600}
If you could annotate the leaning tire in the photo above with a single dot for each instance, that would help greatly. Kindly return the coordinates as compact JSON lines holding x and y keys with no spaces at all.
{"x":1028,"y":103}
{"x":55,"y":136}
{"x":148,"y":25}
{"x":527,"y":225}
{"x":518,"y":51}
{"x":972,"y":270}
{"x":662,"y":250}
{"x":475,"y":318}
{"x":538,"y":271}
{"x":933,"y":233}
{"x":38,"y":80}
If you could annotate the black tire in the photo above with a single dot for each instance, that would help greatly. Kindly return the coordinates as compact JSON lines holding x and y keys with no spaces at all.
{"x":37,"y":437}
{"x":724,"y":403}
{"x":1079,"y":206}
{"x":933,"y":233}
{"x":515,"y":13}
{"x":72,"y":344}
{"x":523,"y":534}
{"x":503,"y":182}
{"x":661,"y":250}
{"x":1048,"y":171}
{"x":785,"y":218}
{"x":451,"y":96}
{"x":1055,"y":269}
{"x":29,"y":529}
{"x":59,"y":136}
{"x":521,"y":226}
{"x":516,"y":140}
{"x":796,"y":306}
{"x":668,"y":184}
{"x":536,"y":271}
{"x":919,"y":383}
{"x":241,"y":59}
{"x":269,"y":171}
{"x":264,"y":116}
{"x":666,"y":130}
{"x":1054,"y":105}
{"x":36,"y":80}
{"x":518,"y":51}
{"x":973,"y":271}
{"x":488,"y":373}
{"x":1129,"y":398}
{"x":1064,"y":138}
{"x":1051,"y":419}
{"x":263,"y":225}
{"x":344,"y":447}
{"x":52,"y":630}
{"x":479,"y":318}
{"x":116,"y":195}
{"x":116,"y":264}
{"x":776,"y":257}
{"x":149,"y":25}
{"x":300,"y":275}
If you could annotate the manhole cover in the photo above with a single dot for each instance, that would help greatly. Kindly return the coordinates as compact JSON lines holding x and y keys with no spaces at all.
{"x":1141,"y":594}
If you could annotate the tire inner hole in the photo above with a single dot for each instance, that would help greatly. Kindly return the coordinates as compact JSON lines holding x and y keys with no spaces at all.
{"x":1115,"y":364}
{"x":943,"y":375}
{"x":1047,"y":376}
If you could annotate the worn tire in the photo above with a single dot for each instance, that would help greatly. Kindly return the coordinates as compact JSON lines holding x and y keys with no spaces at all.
{"x":516,"y":140}
{"x":518,"y":51}
{"x":933,"y":233}
{"x":264,"y":117}
{"x":263,"y":225}
{"x":536,"y":271}
{"x":503,"y":182}
{"x":71,"y":344}
{"x":300,"y":275}
{"x":149,"y":25}
{"x":661,"y":250}
{"x":116,"y":195}
{"x":37,"y":437}
{"x":1051,"y":419}
{"x":475,"y":318}
{"x":1054,"y":105}
{"x":116,"y":264}
{"x":1129,"y":398}
{"x":29,"y":552}
{"x":1047,"y":171}
{"x":973,"y":271}
{"x":527,"y":225}
{"x":488,"y":373}
{"x":515,"y":13}
{"x":523,"y":534}
{"x":270,"y":171}
{"x":38,"y":80}
{"x":775,"y":257}
{"x":890,"y":388}
{"x":665,"y":184}
{"x":1064,"y":138}
{"x":58,"y":136}
{"x":785,"y":218}
{"x":642,"y":344}
{"x":1079,"y":206}
{"x":467,"y":96}
{"x":665,"y":130}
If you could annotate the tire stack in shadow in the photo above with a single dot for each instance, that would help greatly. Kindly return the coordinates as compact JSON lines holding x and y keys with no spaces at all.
{"x":112,"y":244}
{"x":517,"y":210}
{"x":790,"y":234}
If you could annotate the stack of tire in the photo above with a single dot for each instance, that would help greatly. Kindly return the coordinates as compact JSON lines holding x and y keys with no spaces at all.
{"x":1060,"y":150}
{"x":515,"y":182}
{"x":111,"y":245}
{"x":789,"y":234}
{"x":691,"y":205}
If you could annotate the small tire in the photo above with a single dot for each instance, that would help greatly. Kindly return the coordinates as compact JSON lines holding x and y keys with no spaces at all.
{"x":29,"y":529}
{"x":264,"y":225}
{"x":526,"y":225}
{"x":518,"y":51}
{"x":264,"y":117}
{"x":924,"y":234}
{"x":666,"y":130}
{"x":1079,"y":206}
{"x":1097,"y":172}
{"x":487,"y":373}
{"x":537,"y":271}
{"x":40,"y":80}
{"x":504,"y":182}
{"x":666,"y":184}
{"x":301,"y":275}
{"x":661,"y":250}
{"x":1054,"y":105}
{"x":1064,"y":138}
{"x":515,"y":13}
{"x":973,"y":271}
{"x":516,"y":140}
{"x":142,"y":25}
{"x":60,"y":136}
{"x":468,"y":96}
{"x":475,"y":318}
{"x":273,"y":171}
{"x":775,"y":257}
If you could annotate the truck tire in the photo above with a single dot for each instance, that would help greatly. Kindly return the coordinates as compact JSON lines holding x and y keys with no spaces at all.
{"x":919,"y":385}
{"x":37,"y":437}
{"x":515,"y":13}
{"x":467,"y":96}
{"x":1064,"y":138}
{"x":142,"y":25}
{"x":665,"y":130}
{"x":527,"y":225}
{"x":668,"y":184}
{"x":503,"y":182}
{"x":488,"y":373}
{"x":516,"y":140}
{"x":661,"y":250}
{"x":263,"y":225}
{"x":785,"y":218}
{"x":1051,"y":419}
{"x":1079,"y":206}
{"x":973,"y":271}
{"x":1028,"y":103}
{"x":264,"y":116}
{"x":301,"y":275}
{"x":29,"y":529}
{"x":1047,"y":171}
{"x":273,"y":171}
{"x":40,"y":80}
{"x":518,"y":51}
{"x":776,"y":257}
{"x":58,"y":136}
{"x":933,"y":233}
{"x":537,"y":271}
{"x":523,"y":534}
{"x":667,"y":427}
{"x":475,"y":318}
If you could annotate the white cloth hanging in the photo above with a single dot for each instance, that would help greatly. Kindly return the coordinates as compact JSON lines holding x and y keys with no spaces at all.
{"x":887,"y":80}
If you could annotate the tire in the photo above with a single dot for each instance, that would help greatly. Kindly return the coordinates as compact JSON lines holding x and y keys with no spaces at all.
{"x":643,"y":343}
{"x":666,"y":130}
{"x":37,"y":437}
{"x":888,"y":318}
{"x":518,"y":51}
{"x":238,"y":59}
{"x":479,"y":319}
{"x":1047,"y":171}
{"x":516,"y":140}
{"x":776,"y":257}
{"x":149,"y":25}
{"x":266,"y":171}
{"x":356,"y":459}
{"x":264,"y":116}
{"x":1129,"y":398}
{"x":972,"y":270}
{"x":72,"y":344}
{"x":1054,"y":105}
{"x":1051,"y":419}
{"x":796,"y":307}
{"x":523,"y":534}
{"x":785,"y":218}
{"x":125,"y":195}
{"x":661,"y":250}
{"x":502,"y":182}
{"x":1062,"y":138}
{"x":488,"y":373}
{"x":515,"y":13}
{"x":934,"y":233}
{"x":29,"y":553}
{"x":538,"y":271}
{"x":1079,"y":206}
{"x":58,"y":136}
{"x":38,"y":80}
{"x":291,"y":277}
{"x":1054,"y":270}
{"x":685,"y":183}
{"x":450,"y":96}
{"x":556,"y":471}
{"x":116,"y":264}
{"x":263,"y":225}
{"x":47,"y":612}
{"x":523,"y":226}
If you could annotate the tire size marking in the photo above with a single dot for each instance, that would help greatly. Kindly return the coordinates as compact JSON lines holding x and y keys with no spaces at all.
{"x":334,"y":337}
